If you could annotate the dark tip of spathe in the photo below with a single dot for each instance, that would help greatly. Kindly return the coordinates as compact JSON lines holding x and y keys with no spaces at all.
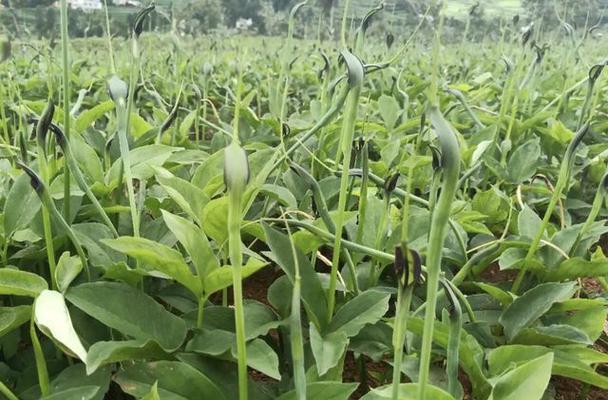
{"x":391,"y":183}
{"x":596,"y":71}
{"x":35,"y":180}
{"x":138,"y":27}
{"x":285,"y":130}
{"x":400,"y":265}
{"x":390,"y":39}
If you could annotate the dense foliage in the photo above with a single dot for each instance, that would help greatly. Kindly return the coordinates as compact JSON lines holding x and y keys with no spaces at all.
{"x":281,"y":218}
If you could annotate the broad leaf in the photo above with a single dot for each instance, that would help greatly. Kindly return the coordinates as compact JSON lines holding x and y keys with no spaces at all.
{"x":103,"y":353}
{"x":528,"y":380}
{"x":313,"y":295}
{"x":532,"y":305}
{"x":67,"y":270}
{"x":175,"y":380}
{"x":407,"y":391}
{"x":143,"y":318}
{"x":13,"y":317}
{"x":367,"y":308}
{"x":261,"y":357}
{"x":327,"y":350}
{"x":21,"y":283}
{"x":157,"y":260}
{"x":194,"y":241}
{"x":324,"y":390}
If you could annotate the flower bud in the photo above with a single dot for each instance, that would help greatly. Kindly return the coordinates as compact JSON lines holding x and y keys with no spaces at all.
{"x":236,"y":167}
{"x":44,"y":123}
{"x":118,"y":89}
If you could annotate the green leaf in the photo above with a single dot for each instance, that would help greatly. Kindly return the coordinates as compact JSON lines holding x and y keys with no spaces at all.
{"x":261,"y":357}
{"x":528,"y":223}
{"x":21,"y":205}
{"x":407,"y":391}
{"x":143,"y":161}
{"x":527,"y":381}
{"x":327,"y":350}
{"x":77,"y":393}
{"x":88,"y":117}
{"x":389,"y":110}
{"x":21,"y":283}
{"x":87,"y":159}
{"x":103,"y":353}
{"x":367,"y":308}
{"x":572,"y":361}
{"x":493,"y":204}
{"x":175,"y":380}
{"x":505,"y":298}
{"x":13,"y":317}
{"x":552,"y":335}
{"x":53,"y":319}
{"x":470,"y":353}
{"x":587,"y":315}
{"x":532,"y":305}
{"x":575,"y":268}
{"x":213,"y":342}
{"x":75,"y":376}
{"x":188,"y":197}
{"x":67,"y":270}
{"x":313,"y":295}
{"x":324,"y":390}
{"x":523,"y":162}
{"x":143,"y":318}
{"x":215,"y":219}
{"x":194,"y":241}
{"x":221,"y":278}
{"x":157,"y":260}
{"x":281,"y":194}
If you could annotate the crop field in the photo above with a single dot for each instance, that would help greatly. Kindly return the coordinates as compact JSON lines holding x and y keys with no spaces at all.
{"x":374,"y":216}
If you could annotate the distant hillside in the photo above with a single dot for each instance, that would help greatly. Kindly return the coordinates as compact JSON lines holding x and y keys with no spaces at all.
{"x":454,"y":8}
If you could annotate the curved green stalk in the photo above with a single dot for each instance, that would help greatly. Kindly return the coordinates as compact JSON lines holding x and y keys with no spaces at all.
{"x":329,"y":223}
{"x":82,"y":184}
{"x":404,"y":301}
{"x":355,"y":81}
{"x":596,"y":207}
{"x":47,"y":203}
{"x":562,"y":182}
{"x":66,"y":67}
{"x":454,"y":319}
{"x":450,"y":164}
{"x":324,"y":120}
{"x":295,"y":327}
{"x":363,"y":192}
{"x":124,"y":117}
{"x":6,"y":392}
{"x":41,"y":131}
{"x":41,"y":368}
{"x":236,"y":177}
{"x":236,"y":260}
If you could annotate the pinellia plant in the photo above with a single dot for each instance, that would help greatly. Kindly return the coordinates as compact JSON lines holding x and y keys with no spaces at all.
{"x":308,"y":217}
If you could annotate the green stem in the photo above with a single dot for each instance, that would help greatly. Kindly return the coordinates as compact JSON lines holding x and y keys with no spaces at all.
{"x":348,"y":129}
{"x":7,"y":392}
{"x":404,"y":300}
{"x":46,"y":220}
{"x":66,"y":100}
{"x":236,"y":259}
{"x":295,"y":328}
{"x":439,"y":226}
{"x":43,"y":373}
